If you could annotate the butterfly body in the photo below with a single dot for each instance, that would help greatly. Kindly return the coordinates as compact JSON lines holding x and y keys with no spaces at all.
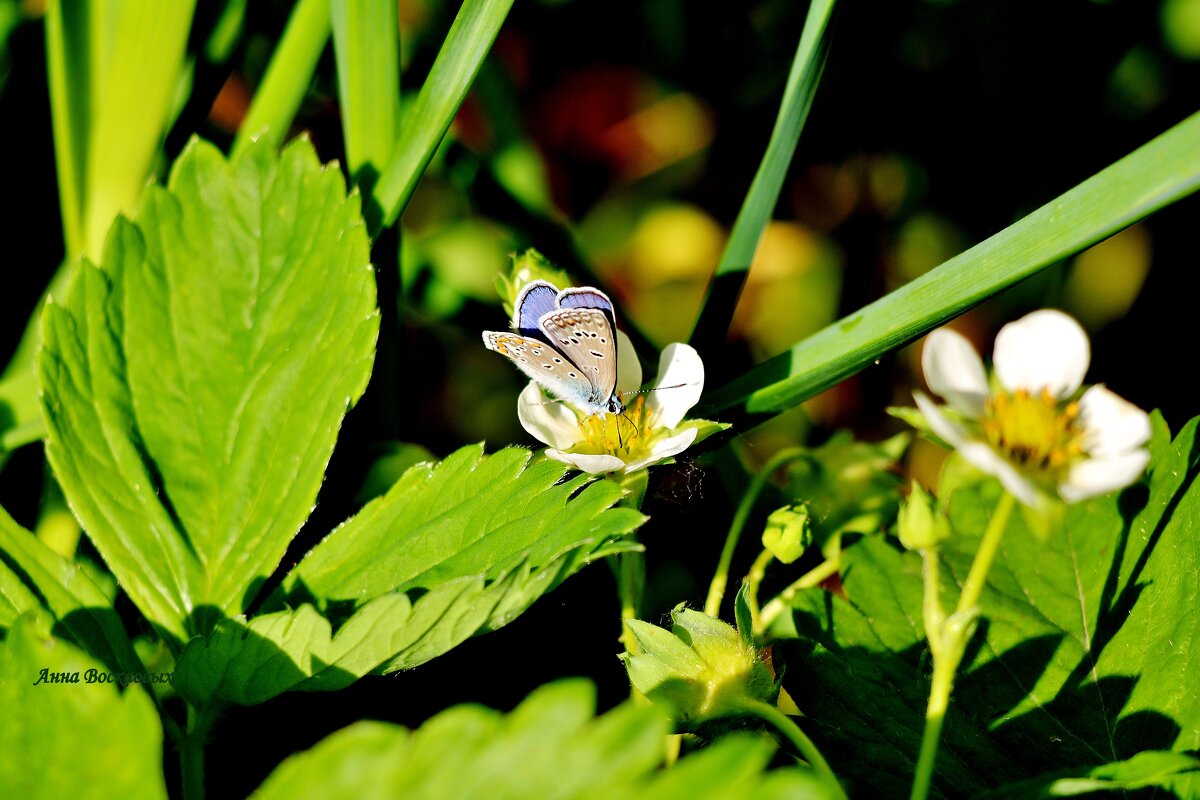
{"x":566,"y":341}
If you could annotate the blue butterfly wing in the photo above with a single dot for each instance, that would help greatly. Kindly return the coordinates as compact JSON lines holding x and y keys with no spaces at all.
{"x":537,"y":299}
{"x":588,"y":297}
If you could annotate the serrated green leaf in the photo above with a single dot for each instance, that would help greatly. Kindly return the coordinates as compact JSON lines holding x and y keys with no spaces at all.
{"x":82,"y":607}
{"x":72,"y":739}
{"x":209,"y":366}
{"x":1085,"y":656}
{"x":550,"y":746}
{"x":251,"y":662}
{"x":470,"y":515}
{"x":1152,"y":768}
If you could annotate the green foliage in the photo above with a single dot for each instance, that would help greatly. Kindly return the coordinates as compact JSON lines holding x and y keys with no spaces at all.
{"x":81,"y":604}
{"x":179,"y":379}
{"x":701,"y":670}
{"x":75,"y":739}
{"x":454,"y":549}
{"x":467,"y":516}
{"x":549,"y":746}
{"x":848,"y":486}
{"x":1086,"y":648}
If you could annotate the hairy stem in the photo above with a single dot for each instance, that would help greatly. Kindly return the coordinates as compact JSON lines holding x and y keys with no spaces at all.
{"x":716,"y":589}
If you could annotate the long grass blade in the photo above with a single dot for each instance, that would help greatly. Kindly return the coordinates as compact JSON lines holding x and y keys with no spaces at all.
{"x":366,"y":40}
{"x":730,"y":275}
{"x":288,"y":76}
{"x":1157,"y":174}
{"x":425,"y":124}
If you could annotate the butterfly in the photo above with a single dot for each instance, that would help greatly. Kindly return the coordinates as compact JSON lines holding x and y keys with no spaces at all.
{"x":567,"y":343}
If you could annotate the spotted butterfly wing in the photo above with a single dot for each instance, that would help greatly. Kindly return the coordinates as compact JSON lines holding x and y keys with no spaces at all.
{"x":586,"y":337}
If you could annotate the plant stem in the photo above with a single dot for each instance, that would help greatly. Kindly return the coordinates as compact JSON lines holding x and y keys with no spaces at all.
{"x":812,"y":578}
{"x":716,"y":589}
{"x":931,"y":607}
{"x":754,"y":577}
{"x":191,"y":752}
{"x":790,"y":731}
{"x":977,"y":576}
{"x":948,"y":641}
{"x":631,"y":576}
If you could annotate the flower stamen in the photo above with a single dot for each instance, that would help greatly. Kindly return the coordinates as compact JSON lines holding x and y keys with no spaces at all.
{"x":1036,"y":430}
{"x":615,"y":434}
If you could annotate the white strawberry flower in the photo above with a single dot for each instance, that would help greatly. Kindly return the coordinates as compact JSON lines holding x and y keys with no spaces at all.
{"x":652,"y":427}
{"x":1031,"y":427}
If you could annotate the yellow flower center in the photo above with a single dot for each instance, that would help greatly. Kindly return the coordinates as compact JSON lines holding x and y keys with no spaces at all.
{"x":616,"y":434}
{"x":1035,"y":430}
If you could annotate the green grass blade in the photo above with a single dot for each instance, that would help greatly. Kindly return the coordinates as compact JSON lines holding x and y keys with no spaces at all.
{"x":366,"y":40}
{"x":466,"y":44}
{"x":288,"y":77}
{"x":730,"y":275}
{"x":137,"y":63}
{"x":1155,"y":175}
{"x":67,"y":49}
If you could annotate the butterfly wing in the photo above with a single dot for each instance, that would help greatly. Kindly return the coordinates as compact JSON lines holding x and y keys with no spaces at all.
{"x":546,"y":365}
{"x":586,"y":337}
{"x":537,"y":299}
{"x":588,"y":297}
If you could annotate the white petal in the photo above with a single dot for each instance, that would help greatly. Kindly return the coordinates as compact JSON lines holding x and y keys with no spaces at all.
{"x":1103,"y":475}
{"x":978,"y":453}
{"x":678,"y":386}
{"x":991,"y":462}
{"x":954,"y":370}
{"x":549,"y":422}
{"x":1111,"y":424}
{"x":629,"y":369}
{"x":939,"y":422}
{"x":1043,"y":350}
{"x":591,"y":464}
{"x":672,"y":445}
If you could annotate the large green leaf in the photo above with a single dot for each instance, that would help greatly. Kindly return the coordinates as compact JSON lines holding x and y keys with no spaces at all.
{"x":549,"y":746}
{"x":1085,"y":657}
{"x":1157,"y":174}
{"x":451,"y":551}
{"x":76,"y":739}
{"x":195,"y":386}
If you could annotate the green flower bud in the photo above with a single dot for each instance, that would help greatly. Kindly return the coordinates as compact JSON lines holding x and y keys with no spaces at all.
{"x":921,"y":523}
{"x":788,"y":533}
{"x":525,"y":268}
{"x":701,"y":668}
